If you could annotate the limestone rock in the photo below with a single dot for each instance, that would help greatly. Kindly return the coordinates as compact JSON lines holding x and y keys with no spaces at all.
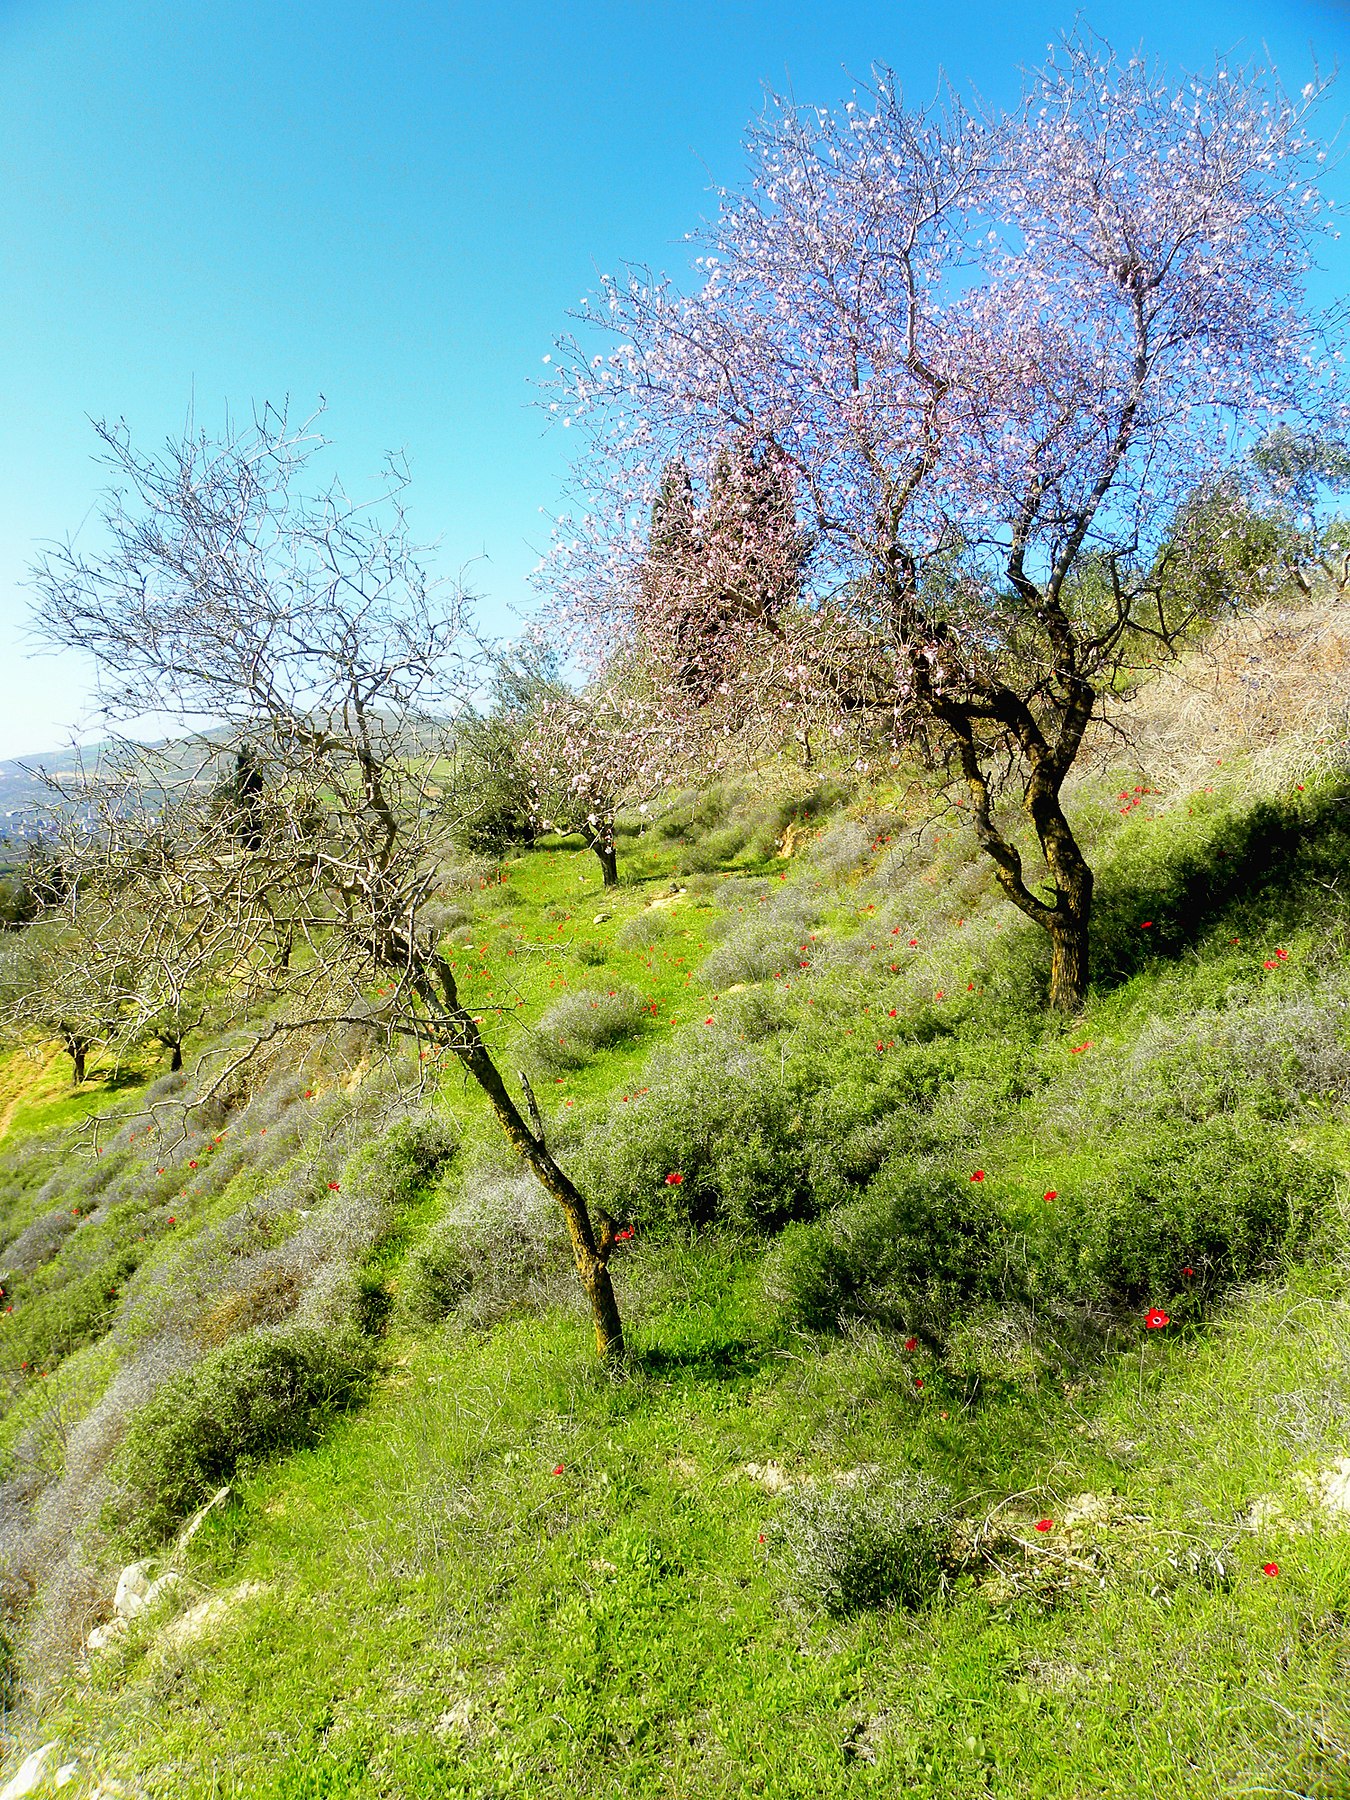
{"x":104,"y":1637}
{"x":30,"y":1774}
{"x":199,"y":1619}
{"x":132,"y":1586}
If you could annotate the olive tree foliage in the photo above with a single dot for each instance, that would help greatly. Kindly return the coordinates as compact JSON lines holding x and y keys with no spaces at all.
{"x":293,"y":638}
{"x":1299,"y":470}
{"x":987,"y":356}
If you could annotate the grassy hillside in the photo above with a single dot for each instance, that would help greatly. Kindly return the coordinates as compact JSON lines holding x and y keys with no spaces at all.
{"x":899,"y":1491}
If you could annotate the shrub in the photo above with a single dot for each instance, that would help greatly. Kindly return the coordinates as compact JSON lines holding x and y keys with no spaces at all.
{"x":416,"y":1151}
{"x":841,"y":848}
{"x":1225,"y":1202}
{"x":591,"y":1019}
{"x":501,"y":1248}
{"x":643,"y":931}
{"x":868,"y":1543}
{"x":250,"y":1399}
{"x":590,"y":953}
{"x":766,"y":943}
{"x":915,"y":1249}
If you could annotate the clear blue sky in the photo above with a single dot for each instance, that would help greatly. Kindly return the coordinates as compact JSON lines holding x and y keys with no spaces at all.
{"x":394,"y":206}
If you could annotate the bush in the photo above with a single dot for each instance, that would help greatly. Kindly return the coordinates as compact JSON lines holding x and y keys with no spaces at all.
{"x":579,"y":1024}
{"x":868,"y":1543}
{"x":254,"y":1397}
{"x":500,"y":1249}
{"x":643,"y":931}
{"x":416,"y":1151}
{"x":766,"y":943}
{"x":841,"y":848}
{"x":914,"y":1250}
{"x":1224,"y":1202}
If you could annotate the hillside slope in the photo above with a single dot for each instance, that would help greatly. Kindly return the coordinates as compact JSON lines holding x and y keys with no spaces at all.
{"x":900,"y":1491}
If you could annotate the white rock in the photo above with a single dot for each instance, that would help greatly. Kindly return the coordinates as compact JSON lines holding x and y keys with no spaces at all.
{"x":66,"y":1774}
{"x":132,"y":1586}
{"x":103,"y":1637}
{"x":30,"y":1774}
{"x":1334,"y":1486}
{"x":200,"y":1618}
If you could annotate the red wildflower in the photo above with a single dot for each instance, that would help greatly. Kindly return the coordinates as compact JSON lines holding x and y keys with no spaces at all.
{"x":333,"y":1186}
{"x":192,"y":1165}
{"x":978,"y":1175}
{"x":1188,"y":1270}
{"x":918,"y":1381}
{"x":911,"y":1343}
{"x":891,"y":1013}
{"x":914,"y":943}
{"x":1052,"y":1193}
{"x":674,"y":1180}
{"x":708,"y":1020}
{"x":172,"y":1220}
{"x":557,"y":1468}
{"x":1147,"y":925}
{"x":1044,"y":1524}
{"x":622,"y":1237}
{"x":1155,"y":1318}
{"x":1270,"y":1568}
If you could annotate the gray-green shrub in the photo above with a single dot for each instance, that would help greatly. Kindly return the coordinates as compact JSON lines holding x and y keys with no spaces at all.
{"x":1225,"y":1199}
{"x":868,"y":1542}
{"x":252,"y":1398}
{"x":579,"y":1024}
{"x":919,"y":1246}
{"x":500,"y":1248}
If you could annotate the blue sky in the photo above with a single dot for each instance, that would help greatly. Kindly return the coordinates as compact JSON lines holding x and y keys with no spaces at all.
{"x":395,"y":206}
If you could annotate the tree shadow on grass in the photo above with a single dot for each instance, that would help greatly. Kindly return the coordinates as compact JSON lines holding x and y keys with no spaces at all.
{"x":1278,"y":868}
{"x":726,"y":1360}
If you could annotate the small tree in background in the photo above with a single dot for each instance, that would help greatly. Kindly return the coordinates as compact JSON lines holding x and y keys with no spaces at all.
{"x":295,"y":638}
{"x":988,"y":354}
{"x":57,"y":983}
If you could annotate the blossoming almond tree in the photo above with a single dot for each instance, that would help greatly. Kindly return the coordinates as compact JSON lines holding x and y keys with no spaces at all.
{"x":990,"y":355}
{"x":295,"y":636}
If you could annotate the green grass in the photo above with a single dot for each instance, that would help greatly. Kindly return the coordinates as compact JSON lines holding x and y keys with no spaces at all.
{"x":439,"y":1612}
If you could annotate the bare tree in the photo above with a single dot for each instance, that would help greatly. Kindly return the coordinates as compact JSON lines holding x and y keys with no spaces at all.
{"x":294,"y":641}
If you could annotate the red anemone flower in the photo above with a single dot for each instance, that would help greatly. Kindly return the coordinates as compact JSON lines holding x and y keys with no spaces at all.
{"x":1052,"y":1194}
{"x":333,"y":1186}
{"x":1270,"y":1568}
{"x":1044,"y":1524}
{"x":1155,"y":1318}
{"x":674,"y":1179}
{"x":911,"y":1343}
{"x":978,"y":1175}
{"x":557,"y":1468}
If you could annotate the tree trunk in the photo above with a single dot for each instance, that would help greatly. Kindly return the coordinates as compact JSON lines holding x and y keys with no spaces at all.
{"x":1068,"y":963}
{"x":77,"y":1054}
{"x":590,"y":1256}
{"x":609,"y":863}
{"x":1069,"y":919}
{"x":175,"y":1058}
